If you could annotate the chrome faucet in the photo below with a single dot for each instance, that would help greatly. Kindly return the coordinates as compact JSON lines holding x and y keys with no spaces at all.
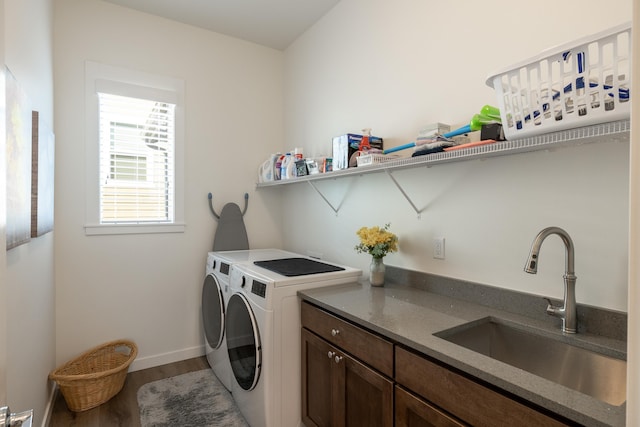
{"x":568,"y":312}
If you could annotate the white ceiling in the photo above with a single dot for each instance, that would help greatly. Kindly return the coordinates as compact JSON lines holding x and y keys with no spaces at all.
{"x":273,"y":23}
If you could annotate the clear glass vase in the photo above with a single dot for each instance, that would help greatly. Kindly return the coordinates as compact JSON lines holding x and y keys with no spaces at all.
{"x":376,"y":271}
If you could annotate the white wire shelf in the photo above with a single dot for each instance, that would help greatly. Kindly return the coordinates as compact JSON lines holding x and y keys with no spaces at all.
{"x":618,"y":131}
{"x":612,"y":131}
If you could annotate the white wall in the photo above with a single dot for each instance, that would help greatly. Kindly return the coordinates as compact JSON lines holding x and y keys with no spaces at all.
{"x":148,"y":287}
{"x":398,"y":66}
{"x":633,"y":336}
{"x":29,"y":291}
{"x":3,"y":225}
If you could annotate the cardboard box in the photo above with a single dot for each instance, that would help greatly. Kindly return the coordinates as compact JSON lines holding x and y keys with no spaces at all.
{"x":345,"y":145}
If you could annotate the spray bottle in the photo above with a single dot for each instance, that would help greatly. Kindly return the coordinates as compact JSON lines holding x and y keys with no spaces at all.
{"x":364,"y":143}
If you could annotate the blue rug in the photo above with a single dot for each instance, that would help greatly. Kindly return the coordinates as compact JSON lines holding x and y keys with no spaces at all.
{"x":196,"y":399}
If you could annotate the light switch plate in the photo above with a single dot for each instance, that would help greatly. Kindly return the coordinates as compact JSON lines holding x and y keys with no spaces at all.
{"x":438,"y":247}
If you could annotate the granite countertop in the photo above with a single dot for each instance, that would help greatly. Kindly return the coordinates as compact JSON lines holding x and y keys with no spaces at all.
{"x":410,"y":315}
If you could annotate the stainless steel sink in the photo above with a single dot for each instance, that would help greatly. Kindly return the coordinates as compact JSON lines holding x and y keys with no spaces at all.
{"x":586,"y":371}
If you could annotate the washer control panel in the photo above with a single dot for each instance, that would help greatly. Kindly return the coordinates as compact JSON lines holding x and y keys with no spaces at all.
{"x":224,"y":268}
{"x":259,"y":288}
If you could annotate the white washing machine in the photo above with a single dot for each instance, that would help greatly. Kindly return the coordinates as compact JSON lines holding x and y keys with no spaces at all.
{"x":215,"y":294}
{"x":263,"y":335}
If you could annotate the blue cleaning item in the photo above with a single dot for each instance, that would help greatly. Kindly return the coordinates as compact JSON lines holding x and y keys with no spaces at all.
{"x":459,"y":131}
{"x":399,"y":148}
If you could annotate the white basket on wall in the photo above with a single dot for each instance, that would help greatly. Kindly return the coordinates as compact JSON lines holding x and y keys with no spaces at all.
{"x":585,"y":82}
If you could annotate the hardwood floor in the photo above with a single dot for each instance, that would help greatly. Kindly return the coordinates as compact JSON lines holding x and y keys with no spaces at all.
{"x":121,"y":410}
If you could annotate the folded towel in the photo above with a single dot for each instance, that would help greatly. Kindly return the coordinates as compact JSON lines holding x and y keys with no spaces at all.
{"x":432,"y":147}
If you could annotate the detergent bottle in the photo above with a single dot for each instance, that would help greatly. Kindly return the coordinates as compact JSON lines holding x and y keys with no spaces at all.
{"x":277,"y":169}
{"x":285,"y":168}
{"x":267,"y":171}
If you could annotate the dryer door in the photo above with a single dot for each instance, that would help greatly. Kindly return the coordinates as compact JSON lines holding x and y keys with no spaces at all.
{"x":213,"y":311}
{"x":243,"y":342}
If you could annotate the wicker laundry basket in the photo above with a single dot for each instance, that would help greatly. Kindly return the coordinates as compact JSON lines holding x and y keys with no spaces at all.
{"x":96,"y":375}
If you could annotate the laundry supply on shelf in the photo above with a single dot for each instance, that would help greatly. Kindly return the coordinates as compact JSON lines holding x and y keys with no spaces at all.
{"x":435,"y":146}
{"x":344,"y":146}
{"x":488,"y":114}
{"x":286,"y":167}
{"x":267,"y":170}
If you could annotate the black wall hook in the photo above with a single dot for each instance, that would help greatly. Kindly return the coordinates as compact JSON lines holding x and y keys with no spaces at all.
{"x":246,"y":205}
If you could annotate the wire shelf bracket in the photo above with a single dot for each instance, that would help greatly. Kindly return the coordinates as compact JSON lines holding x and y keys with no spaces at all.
{"x":404,"y":193}
{"x":333,"y":208}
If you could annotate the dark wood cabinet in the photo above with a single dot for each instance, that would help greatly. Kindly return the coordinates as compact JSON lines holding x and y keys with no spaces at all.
{"x":318,"y":379}
{"x":371,"y":349}
{"x":411,"y":411}
{"x":463,"y":397}
{"x":353,"y":378}
{"x":337,"y":389}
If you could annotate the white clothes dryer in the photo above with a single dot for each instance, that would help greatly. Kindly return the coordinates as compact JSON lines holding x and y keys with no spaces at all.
{"x":215,"y":295}
{"x":263,"y":335}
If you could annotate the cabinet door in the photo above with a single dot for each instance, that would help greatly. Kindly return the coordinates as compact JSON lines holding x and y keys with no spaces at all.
{"x":317,"y":380}
{"x":368,"y":396}
{"x":412,"y":411}
{"x":339,"y":391}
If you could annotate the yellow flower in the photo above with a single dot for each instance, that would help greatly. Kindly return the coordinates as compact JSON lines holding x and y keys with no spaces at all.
{"x":376,"y":241}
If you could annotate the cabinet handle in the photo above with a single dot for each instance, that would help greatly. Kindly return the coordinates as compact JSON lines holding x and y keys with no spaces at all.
{"x":338,"y":359}
{"x":330,"y":354}
{"x":335,"y":332}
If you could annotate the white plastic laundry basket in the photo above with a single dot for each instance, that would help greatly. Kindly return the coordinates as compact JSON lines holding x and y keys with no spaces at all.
{"x":581,"y":83}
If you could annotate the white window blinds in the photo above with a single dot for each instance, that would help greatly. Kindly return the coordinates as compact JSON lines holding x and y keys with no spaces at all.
{"x":136,"y":173}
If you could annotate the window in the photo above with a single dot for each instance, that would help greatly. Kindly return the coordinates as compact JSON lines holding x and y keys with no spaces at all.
{"x":136,"y":160}
{"x":134,"y":152}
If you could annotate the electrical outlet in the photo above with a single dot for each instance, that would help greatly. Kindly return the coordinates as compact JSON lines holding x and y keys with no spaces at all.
{"x":438,"y":247}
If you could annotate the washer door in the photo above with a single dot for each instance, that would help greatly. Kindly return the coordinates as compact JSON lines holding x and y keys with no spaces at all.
{"x":243,"y":342}
{"x":213,"y":311}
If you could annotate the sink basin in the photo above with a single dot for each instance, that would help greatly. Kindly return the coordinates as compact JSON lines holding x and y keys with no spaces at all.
{"x":586,"y":371}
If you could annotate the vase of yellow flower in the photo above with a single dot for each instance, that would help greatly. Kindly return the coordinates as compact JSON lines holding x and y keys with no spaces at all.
{"x":377,"y":242}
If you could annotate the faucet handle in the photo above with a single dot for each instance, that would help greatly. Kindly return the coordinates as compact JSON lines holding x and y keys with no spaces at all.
{"x":554,"y":310}
{"x":551,"y":309}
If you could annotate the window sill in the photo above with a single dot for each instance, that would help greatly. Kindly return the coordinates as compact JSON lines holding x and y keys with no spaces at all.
{"x":112,"y":229}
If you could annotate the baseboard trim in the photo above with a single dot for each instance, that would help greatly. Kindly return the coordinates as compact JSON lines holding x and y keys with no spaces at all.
{"x":48,"y":410}
{"x":165,"y":358}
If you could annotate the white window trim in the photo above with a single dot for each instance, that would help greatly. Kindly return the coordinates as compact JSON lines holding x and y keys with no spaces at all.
{"x":132,"y":83}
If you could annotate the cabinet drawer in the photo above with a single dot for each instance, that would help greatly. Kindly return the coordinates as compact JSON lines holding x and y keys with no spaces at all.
{"x":371,"y":349}
{"x":464,"y":398}
{"x":411,"y":411}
